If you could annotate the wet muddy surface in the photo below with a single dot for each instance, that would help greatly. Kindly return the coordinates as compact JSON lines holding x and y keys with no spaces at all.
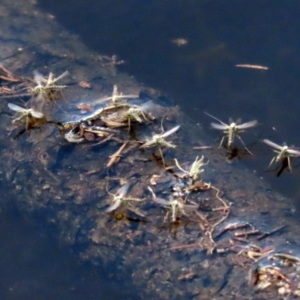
{"x":100,"y":159}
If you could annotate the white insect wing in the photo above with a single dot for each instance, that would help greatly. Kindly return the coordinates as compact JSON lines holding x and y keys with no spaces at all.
{"x":247,"y":124}
{"x":64,"y":74}
{"x":148,"y":143}
{"x":293,"y":152}
{"x":37,"y":114}
{"x":122,"y":191}
{"x":271,"y":144}
{"x":38,"y":78}
{"x":169,"y":132}
{"x":148,"y":106}
{"x":161,"y":201}
{"x":16,"y":108}
{"x":219,"y":126}
{"x":116,"y":204}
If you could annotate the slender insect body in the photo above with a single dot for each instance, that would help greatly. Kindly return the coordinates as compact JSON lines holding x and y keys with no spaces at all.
{"x":173,"y":204}
{"x":282,"y":153}
{"x":159,"y":139}
{"x":119,"y":198}
{"x":174,"y":207}
{"x":47,"y":89}
{"x":232,"y":130}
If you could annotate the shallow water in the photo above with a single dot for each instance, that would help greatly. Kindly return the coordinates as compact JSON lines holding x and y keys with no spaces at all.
{"x":34,"y":266}
{"x":201,"y":75}
{"x":202,"y":70}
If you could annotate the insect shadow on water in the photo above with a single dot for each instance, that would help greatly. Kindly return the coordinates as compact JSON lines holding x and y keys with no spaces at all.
{"x":173,"y":227}
{"x":236,"y":152}
{"x":232,"y":130}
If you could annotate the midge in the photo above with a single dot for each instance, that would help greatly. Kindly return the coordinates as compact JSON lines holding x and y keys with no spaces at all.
{"x":283,"y":152}
{"x":119,"y":198}
{"x":174,"y":204}
{"x":46,"y":87}
{"x":232,"y":130}
{"x":159,"y":139}
{"x":27,"y":114}
{"x":116,"y":96}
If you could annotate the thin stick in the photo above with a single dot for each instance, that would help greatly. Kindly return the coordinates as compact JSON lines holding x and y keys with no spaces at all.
{"x":116,"y":156}
{"x":102,"y":142}
{"x":219,"y":198}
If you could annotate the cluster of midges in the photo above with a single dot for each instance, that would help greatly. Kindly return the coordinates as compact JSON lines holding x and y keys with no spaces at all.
{"x":116,"y":120}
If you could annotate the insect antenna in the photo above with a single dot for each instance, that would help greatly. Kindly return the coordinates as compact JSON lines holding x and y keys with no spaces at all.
{"x":216,"y":119}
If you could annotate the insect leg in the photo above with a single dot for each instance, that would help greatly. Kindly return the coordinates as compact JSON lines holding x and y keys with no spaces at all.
{"x":272,"y":160}
{"x":222,"y":140}
{"x":289,"y":163}
{"x":244,"y":145}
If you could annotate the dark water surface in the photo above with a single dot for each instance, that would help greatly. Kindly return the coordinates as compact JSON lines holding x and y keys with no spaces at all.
{"x":201,"y":75}
{"x":34,"y":266}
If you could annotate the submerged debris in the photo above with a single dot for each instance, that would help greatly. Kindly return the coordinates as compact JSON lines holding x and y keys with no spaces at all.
{"x":115,"y":124}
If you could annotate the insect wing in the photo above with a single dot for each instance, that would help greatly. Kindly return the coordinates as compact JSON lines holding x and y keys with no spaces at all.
{"x":64,"y":74}
{"x":293,"y":152}
{"x":148,"y":106}
{"x":161,"y":201}
{"x":219,"y":126}
{"x":16,"y":108}
{"x":189,"y":207}
{"x":37,"y":114}
{"x":171,"y":131}
{"x":247,"y":124}
{"x":148,"y":144}
{"x":122,"y":191}
{"x":271,"y":144}
{"x":114,"y":206}
{"x":38,"y":78}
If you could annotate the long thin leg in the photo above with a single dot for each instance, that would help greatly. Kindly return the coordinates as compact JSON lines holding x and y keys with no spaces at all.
{"x":289,"y":163}
{"x":244,"y":145}
{"x":162,"y":157}
{"x":272,"y":160}
{"x":222,"y":140}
